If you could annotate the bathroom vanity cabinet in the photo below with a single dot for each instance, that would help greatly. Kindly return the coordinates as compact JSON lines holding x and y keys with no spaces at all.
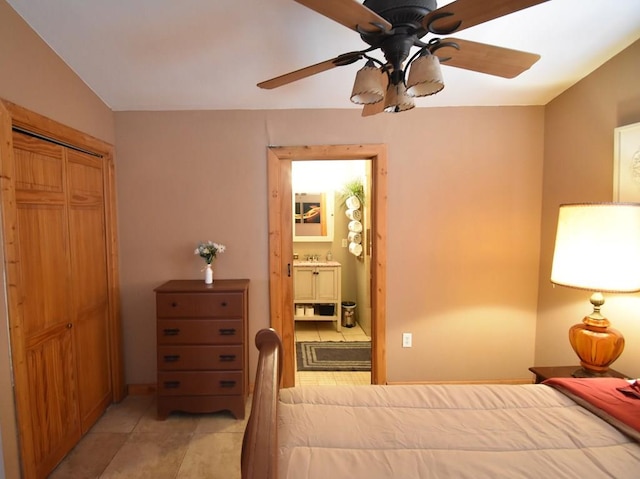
{"x":203,"y":357}
{"x":317,"y":291}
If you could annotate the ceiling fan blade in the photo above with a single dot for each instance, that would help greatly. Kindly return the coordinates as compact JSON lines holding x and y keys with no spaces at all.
{"x":349,"y":13}
{"x":340,"y":60}
{"x":483,"y":58}
{"x":373,"y":108}
{"x":463,"y":14}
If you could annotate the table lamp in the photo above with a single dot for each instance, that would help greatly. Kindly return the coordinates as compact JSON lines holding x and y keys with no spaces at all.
{"x":597,"y":249}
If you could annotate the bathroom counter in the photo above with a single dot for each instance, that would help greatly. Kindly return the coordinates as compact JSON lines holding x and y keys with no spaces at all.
{"x":298,"y":262}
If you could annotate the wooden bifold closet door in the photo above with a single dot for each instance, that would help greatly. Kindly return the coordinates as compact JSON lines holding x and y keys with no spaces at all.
{"x":63,"y":370}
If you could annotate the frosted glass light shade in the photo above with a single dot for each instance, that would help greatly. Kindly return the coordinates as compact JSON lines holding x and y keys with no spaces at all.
{"x":425,"y":76}
{"x":598,"y":247}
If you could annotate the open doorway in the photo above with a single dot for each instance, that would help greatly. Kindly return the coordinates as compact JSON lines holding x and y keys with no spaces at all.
{"x":281,"y":245}
{"x":331,"y":271}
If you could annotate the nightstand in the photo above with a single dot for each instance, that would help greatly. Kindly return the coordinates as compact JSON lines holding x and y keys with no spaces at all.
{"x":543,"y":373}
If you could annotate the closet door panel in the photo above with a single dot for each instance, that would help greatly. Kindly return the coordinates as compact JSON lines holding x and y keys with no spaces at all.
{"x":89,"y":284}
{"x":38,"y":165}
{"x":52,"y":397}
{"x":48,"y":332}
{"x":43,"y":267}
{"x":94,"y":387}
{"x":85,"y":179}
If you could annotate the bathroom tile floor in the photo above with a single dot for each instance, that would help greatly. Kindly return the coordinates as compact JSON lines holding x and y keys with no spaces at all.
{"x":128,"y":442}
{"x":326,"y":331}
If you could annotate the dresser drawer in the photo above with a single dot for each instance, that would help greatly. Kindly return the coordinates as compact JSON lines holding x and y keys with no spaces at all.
{"x":203,"y":383}
{"x":198,"y":305}
{"x":199,"y":357}
{"x":200,"y":331}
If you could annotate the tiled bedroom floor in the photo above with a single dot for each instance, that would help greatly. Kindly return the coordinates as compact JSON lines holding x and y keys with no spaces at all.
{"x":128,"y":442}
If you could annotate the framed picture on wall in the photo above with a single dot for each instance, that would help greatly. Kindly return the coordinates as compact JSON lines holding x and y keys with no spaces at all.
{"x":626,"y":164}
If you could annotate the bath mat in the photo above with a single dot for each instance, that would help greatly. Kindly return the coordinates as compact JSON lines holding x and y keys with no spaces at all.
{"x":333,"y":356}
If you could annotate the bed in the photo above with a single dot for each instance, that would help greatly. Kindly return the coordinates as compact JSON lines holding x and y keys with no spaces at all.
{"x":564,"y":428}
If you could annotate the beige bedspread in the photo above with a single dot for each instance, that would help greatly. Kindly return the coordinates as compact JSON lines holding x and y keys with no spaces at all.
{"x":497,"y":431}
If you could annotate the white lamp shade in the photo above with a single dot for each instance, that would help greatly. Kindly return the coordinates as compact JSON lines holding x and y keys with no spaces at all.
{"x":598,"y":247}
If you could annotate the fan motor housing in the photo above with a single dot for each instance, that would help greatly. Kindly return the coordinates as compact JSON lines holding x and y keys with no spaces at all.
{"x":406,"y":17}
{"x":407,"y":13}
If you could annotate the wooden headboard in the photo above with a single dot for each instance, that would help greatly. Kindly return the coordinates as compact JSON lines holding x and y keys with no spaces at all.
{"x":259,"y":458}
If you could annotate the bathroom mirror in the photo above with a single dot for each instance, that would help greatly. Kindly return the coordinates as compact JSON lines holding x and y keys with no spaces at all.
{"x":313,"y":216}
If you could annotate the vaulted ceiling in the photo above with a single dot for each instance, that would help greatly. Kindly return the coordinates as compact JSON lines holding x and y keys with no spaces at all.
{"x":209,"y":54}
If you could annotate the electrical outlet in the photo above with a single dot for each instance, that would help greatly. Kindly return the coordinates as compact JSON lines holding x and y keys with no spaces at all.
{"x":344,"y":242}
{"x":406,"y":340}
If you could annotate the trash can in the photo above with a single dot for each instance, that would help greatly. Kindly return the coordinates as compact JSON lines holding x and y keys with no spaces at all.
{"x":348,"y":314}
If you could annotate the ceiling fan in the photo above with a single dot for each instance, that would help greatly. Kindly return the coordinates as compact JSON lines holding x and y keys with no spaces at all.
{"x":395,"y":27}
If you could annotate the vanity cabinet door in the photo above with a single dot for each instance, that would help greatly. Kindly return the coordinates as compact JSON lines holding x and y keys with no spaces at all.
{"x":304,"y":283}
{"x":326,"y":284}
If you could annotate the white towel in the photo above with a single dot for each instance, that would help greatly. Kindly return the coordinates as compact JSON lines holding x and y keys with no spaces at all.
{"x":355,"y":249}
{"x":354,"y":237}
{"x":355,"y":226}
{"x":354,"y":214}
{"x":353,"y":202}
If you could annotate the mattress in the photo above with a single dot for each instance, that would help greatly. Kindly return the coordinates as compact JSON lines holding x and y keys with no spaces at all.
{"x":446,"y":431}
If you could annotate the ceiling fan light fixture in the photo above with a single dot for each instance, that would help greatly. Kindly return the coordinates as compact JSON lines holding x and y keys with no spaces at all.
{"x":425,"y":76}
{"x":397,"y":99}
{"x":368,"y":87}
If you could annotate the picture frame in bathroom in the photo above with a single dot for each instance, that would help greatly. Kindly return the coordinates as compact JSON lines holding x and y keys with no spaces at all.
{"x":626,"y":163}
{"x":313,"y":217}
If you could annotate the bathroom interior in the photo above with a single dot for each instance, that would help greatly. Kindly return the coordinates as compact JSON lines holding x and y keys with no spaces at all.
{"x":331,"y":265}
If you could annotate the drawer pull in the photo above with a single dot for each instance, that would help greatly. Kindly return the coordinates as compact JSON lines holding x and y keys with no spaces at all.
{"x":171,"y":331}
{"x":227,"y":331}
{"x":171,"y":358}
{"x":227,"y":384}
{"x":171,"y":384}
{"x":223,"y":304}
{"x":174,"y":305}
{"x":225,"y":358}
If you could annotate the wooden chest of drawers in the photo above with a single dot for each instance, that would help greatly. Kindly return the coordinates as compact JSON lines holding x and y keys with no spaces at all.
{"x":203,"y":354}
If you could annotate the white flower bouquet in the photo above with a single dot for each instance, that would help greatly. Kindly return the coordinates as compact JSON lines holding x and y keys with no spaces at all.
{"x":209,"y":250}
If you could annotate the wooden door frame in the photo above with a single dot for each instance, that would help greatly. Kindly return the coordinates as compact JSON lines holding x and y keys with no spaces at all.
{"x":281,"y":245}
{"x":15,"y":116}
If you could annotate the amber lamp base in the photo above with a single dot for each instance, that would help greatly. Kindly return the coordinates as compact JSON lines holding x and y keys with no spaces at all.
{"x":596,"y":344}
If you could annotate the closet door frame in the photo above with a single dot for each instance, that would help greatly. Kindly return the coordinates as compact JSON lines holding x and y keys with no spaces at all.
{"x":14,"y":116}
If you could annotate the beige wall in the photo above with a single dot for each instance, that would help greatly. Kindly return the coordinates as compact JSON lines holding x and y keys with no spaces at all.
{"x":464,"y":212}
{"x":578,"y":167}
{"x":34,"y":77}
{"x":466,"y":200}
